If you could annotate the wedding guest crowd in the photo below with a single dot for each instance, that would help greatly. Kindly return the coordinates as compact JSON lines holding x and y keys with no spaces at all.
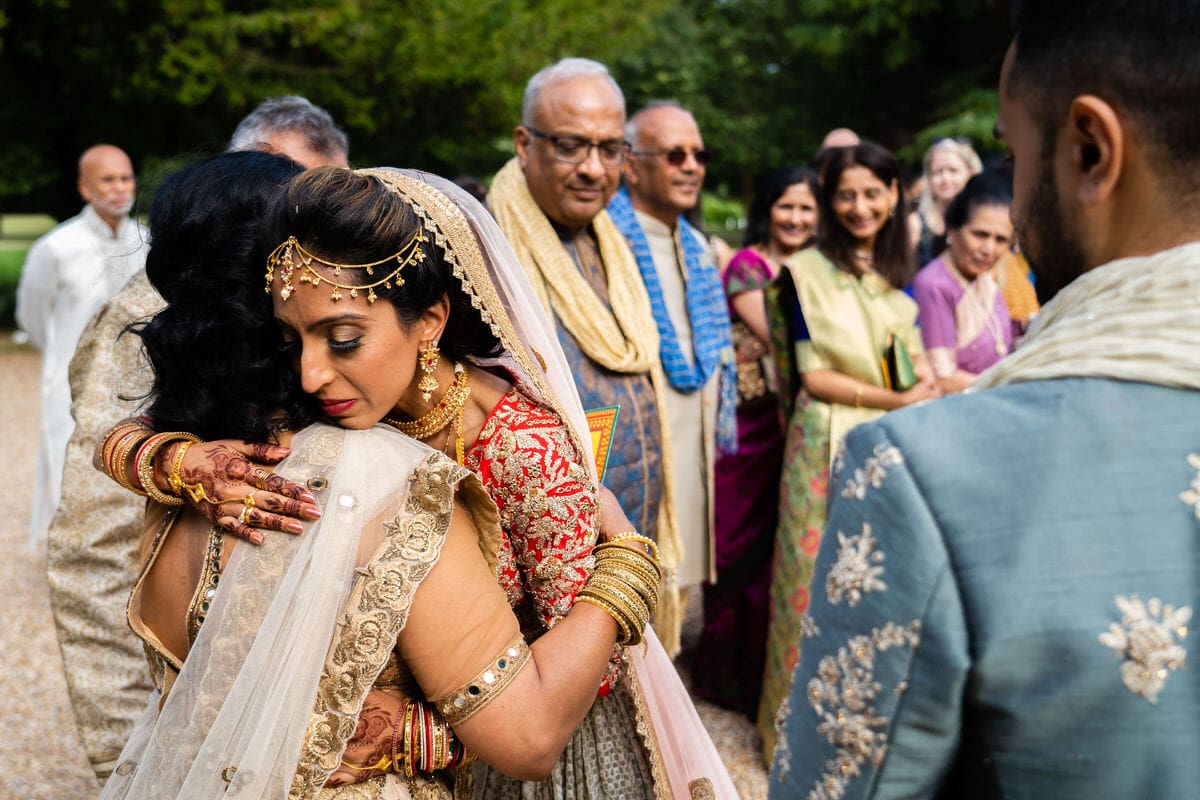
{"x":845,"y":557}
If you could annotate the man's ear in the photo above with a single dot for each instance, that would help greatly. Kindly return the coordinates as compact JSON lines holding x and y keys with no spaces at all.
{"x":627,"y":170}
{"x":521,"y":139}
{"x":1096,"y":143}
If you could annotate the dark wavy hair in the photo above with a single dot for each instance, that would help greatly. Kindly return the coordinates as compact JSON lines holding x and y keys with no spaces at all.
{"x":348,"y":217}
{"x":981,"y":190}
{"x":770,"y":189}
{"x":219,"y":368}
{"x":893,"y":257}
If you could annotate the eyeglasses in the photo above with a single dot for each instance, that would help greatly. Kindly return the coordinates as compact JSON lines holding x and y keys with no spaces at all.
{"x":677,"y":156}
{"x":576,"y":149}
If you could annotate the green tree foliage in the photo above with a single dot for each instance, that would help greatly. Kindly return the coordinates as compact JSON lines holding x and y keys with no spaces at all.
{"x":438,"y":85}
{"x":432,"y":85}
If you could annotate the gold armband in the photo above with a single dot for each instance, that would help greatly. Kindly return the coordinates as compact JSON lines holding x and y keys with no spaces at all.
{"x":467,"y":701}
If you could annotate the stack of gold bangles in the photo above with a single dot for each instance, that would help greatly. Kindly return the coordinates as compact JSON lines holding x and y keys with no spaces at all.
{"x":422,"y":742}
{"x":625,"y":583}
{"x":133,"y":436}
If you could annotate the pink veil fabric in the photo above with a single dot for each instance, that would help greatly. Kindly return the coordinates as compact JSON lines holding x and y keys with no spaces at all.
{"x":694,"y":768}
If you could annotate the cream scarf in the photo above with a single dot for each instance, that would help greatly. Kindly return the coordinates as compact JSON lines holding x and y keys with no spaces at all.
{"x":1134,"y":319}
{"x":622,"y":338}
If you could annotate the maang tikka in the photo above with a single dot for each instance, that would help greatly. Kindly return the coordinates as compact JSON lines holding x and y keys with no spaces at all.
{"x":428,"y":361}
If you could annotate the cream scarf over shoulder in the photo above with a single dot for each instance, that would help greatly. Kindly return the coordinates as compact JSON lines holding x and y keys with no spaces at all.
{"x":1134,"y":319}
{"x":622,"y":338}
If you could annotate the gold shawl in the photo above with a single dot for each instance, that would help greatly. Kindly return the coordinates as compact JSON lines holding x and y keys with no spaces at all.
{"x":622,"y":338}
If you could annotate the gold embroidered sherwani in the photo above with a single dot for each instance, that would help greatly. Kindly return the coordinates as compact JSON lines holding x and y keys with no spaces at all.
{"x":92,"y":551}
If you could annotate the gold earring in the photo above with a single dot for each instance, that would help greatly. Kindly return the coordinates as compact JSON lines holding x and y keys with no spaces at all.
{"x":428,"y":360}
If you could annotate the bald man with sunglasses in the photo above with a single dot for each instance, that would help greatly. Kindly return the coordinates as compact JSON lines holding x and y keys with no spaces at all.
{"x":663,"y":178}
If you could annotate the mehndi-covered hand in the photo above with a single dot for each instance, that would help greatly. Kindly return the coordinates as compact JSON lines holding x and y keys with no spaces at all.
{"x":369,"y":752}
{"x":230,"y":482}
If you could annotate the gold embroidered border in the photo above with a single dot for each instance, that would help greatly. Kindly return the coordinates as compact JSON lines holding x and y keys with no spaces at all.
{"x":376,"y":613}
{"x":662,"y":787}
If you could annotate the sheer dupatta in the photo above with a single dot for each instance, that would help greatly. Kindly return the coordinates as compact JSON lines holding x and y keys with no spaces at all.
{"x":299,"y":628}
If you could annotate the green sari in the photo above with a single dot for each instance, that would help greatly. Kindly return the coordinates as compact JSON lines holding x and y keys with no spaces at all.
{"x":821,"y":318}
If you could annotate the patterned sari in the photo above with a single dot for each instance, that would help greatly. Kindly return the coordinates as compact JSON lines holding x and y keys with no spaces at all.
{"x":821,"y":319}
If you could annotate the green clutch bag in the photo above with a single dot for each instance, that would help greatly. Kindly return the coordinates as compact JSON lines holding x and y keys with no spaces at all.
{"x":898,"y":373}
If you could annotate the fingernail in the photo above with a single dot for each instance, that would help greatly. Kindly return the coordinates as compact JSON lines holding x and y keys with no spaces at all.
{"x":293,"y":527}
{"x":256,"y":538}
{"x":311,"y":512}
{"x":307,"y":497}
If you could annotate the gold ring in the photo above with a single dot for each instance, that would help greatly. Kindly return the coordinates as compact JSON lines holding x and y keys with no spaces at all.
{"x":244,"y":517}
{"x":248,"y":500}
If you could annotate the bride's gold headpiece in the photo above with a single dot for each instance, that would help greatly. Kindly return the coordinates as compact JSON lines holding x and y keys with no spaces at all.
{"x":291,"y":255}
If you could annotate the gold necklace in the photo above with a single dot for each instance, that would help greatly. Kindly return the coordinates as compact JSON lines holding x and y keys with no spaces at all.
{"x":451,"y":406}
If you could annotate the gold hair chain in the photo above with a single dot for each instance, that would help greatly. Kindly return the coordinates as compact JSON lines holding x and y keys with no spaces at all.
{"x":291,"y":255}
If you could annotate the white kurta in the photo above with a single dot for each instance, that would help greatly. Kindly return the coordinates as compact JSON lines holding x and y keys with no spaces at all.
{"x":68,"y":275}
{"x":692,"y":416}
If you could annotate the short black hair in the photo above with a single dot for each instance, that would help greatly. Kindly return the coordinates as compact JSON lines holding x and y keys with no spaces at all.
{"x":984,"y":189}
{"x":1140,"y":56}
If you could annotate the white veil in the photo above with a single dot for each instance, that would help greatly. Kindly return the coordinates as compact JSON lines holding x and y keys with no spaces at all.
{"x":240,"y":713}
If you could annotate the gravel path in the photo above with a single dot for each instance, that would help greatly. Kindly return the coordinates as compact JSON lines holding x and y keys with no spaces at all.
{"x":40,"y":754}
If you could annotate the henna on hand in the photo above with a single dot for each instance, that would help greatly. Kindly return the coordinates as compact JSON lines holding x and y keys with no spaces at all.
{"x":371,"y":743}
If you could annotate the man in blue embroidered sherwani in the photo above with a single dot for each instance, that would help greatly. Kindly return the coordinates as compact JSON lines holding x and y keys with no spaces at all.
{"x":663,"y":177}
{"x":1002,"y":596}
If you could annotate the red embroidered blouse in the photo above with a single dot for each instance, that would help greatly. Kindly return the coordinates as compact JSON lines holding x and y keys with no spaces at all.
{"x":530,"y":468}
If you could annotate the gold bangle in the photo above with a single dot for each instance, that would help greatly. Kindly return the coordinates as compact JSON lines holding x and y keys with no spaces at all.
{"x":634,"y":536}
{"x":146,"y":464}
{"x":858,"y":393}
{"x":635,"y":610}
{"x":623,"y":632}
{"x":175,"y":478}
{"x":632,"y":558}
{"x":645,"y":584}
{"x":119,"y":460}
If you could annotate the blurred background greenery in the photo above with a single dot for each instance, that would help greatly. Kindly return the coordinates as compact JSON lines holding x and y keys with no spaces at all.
{"x":438,"y":85}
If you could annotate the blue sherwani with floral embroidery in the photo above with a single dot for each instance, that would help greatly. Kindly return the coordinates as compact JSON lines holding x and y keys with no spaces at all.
{"x":1001,"y":600}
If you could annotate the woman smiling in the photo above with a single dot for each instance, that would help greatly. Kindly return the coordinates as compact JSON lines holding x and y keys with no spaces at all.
{"x":835,"y":311}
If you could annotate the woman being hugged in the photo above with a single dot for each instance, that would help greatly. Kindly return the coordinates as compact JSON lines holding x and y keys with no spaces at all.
{"x":729,"y":656}
{"x":270,"y":658}
{"x":400,"y":302}
{"x":838,"y":310}
{"x":963,"y":315}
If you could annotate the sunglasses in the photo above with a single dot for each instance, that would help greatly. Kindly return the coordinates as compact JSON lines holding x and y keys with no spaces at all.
{"x":678,"y":155}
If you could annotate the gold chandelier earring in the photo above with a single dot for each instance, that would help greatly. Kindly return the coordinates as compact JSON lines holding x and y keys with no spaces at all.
{"x":428,"y":361}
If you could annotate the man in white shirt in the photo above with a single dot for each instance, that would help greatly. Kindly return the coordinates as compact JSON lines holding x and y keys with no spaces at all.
{"x":68,"y":274}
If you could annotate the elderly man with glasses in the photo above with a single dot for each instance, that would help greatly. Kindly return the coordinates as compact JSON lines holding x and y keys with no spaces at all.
{"x":663,"y":178}
{"x":550,"y":202}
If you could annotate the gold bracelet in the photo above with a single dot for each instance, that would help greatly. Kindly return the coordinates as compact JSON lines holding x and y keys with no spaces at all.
{"x":115,"y":436}
{"x":635,"y":609}
{"x":623,"y":630}
{"x":119,"y":460}
{"x":858,"y":393}
{"x":644,"y":583}
{"x":145,"y":465}
{"x":634,"y":536}
{"x":628,"y":620}
{"x":174,"y":477}
{"x":632,"y":558}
